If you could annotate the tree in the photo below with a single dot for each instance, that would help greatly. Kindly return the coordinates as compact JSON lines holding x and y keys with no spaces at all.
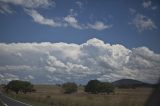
{"x":95,"y":86}
{"x":27,"y":87}
{"x":69,"y":87}
{"x":92,"y":86}
{"x":106,"y":87}
{"x":19,"y":86}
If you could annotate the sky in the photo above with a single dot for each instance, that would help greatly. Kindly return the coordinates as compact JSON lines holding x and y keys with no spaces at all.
{"x":53,"y":41}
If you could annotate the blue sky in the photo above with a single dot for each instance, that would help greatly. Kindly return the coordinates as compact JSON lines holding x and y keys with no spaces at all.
{"x":56,"y":41}
{"x":18,"y":26}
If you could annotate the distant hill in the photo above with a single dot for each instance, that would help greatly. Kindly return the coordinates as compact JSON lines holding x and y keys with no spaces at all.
{"x":130,"y":83}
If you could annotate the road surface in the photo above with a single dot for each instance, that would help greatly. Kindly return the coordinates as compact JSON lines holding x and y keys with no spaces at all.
{"x":7,"y":101}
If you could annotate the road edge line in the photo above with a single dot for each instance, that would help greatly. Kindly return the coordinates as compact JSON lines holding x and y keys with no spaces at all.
{"x":3,"y":102}
{"x":16,"y":100}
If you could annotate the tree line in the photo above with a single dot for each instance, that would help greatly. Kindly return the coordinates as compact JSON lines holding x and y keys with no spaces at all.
{"x":93,"y":86}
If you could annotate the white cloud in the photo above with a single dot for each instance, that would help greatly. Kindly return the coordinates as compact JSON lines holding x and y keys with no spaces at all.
{"x":30,"y":3}
{"x":132,"y":11}
{"x":29,"y":77}
{"x":4,"y":8}
{"x":146,"y":4}
{"x":143,"y":23}
{"x":30,"y":7}
{"x":69,"y":20}
{"x":72,"y":12}
{"x":60,"y":62}
{"x":1,"y":76}
{"x":149,"y":5}
{"x":154,"y":7}
{"x":54,"y":62}
{"x":80,"y":4}
{"x":8,"y":77}
{"x":72,"y":21}
{"x":19,"y":54}
{"x":99,"y":26}
{"x":15,"y":67}
{"x":5,"y":5}
{"x":38,"y":18}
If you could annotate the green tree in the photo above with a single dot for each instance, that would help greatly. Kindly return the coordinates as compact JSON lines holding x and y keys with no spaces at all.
{"x":95,"y":86}
{"x":14,"y":86}
{"x":19,"y":86}
{"x":27,"y":87}
{"x":106,"y":87}
{"x":70,"y":87}
{"x":92,"y":86}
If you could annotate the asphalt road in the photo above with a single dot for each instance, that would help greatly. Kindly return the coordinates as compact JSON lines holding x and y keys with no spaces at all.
{"x":7,"y":101}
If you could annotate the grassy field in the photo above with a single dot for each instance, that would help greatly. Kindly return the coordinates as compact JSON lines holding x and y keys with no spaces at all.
{"x":48,"y":95}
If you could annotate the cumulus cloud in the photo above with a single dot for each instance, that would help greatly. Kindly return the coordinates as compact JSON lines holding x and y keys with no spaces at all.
{"x":38,"y":18}
{"x":143,"y":23}
{"x":60,"y":62}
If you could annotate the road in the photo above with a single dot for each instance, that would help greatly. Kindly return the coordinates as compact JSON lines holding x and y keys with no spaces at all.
{"x":7,"y":101}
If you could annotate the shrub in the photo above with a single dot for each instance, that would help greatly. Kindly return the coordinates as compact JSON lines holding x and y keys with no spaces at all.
{"x":69,"y":87}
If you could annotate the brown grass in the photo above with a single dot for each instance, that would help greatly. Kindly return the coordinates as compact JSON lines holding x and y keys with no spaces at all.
{"x":48,"y":95}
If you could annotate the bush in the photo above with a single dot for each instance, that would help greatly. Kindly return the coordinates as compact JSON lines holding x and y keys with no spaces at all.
{"x":19,"y":86}
{"x":95,"y":86}
{"x":69,"y":87}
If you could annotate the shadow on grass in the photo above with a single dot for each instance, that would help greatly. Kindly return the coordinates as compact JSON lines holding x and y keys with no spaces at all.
{"x":154,"y":99}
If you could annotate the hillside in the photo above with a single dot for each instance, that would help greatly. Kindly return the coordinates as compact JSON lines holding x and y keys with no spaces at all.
{"x":130,"y":83}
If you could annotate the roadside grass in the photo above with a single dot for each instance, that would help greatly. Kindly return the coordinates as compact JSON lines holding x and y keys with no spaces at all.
{"x":1,"y":103}
{"x":49,"y":95}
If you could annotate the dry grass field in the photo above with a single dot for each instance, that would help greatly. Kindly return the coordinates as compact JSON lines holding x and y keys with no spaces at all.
{"x":48,"y":95}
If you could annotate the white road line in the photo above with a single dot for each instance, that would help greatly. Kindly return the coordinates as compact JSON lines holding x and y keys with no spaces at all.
{"x":17,"y":101}
{"x":3,"y":103}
